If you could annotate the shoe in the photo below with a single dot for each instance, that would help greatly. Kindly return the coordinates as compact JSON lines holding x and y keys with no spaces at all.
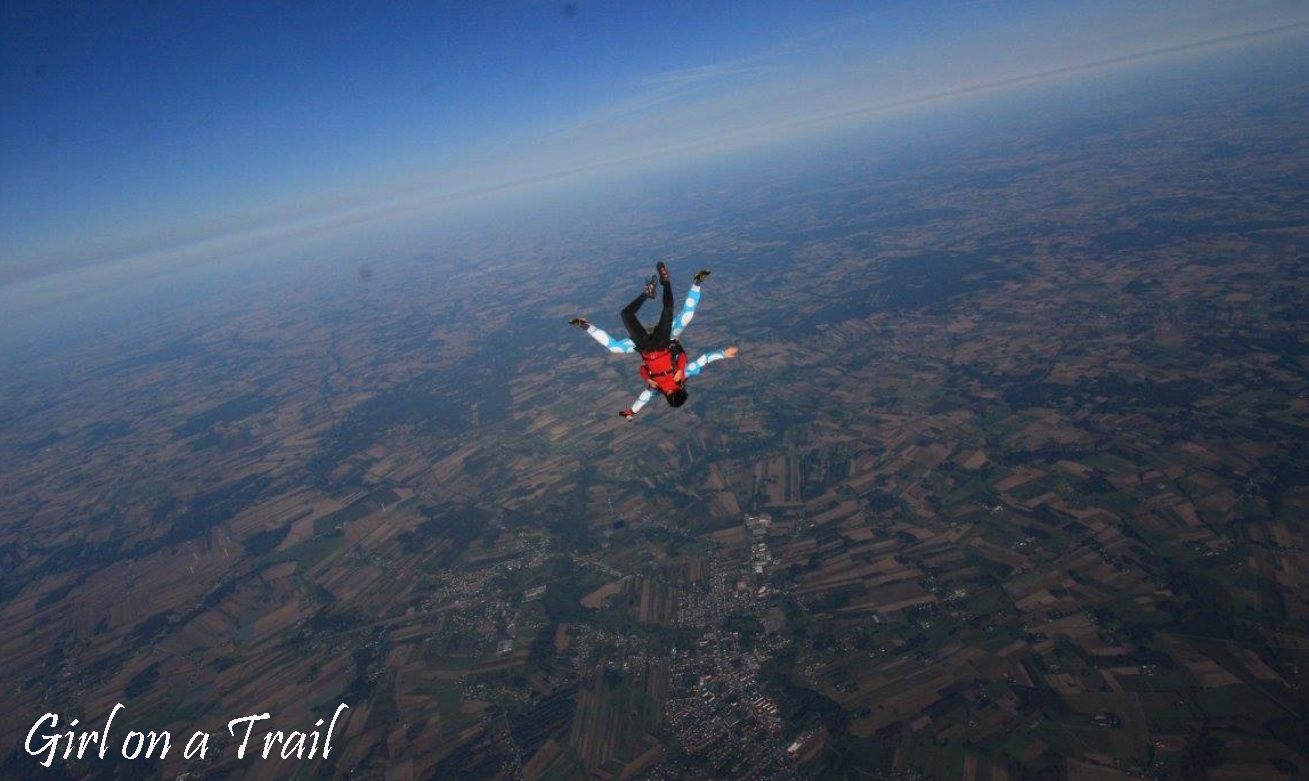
{"x":650,"y":286}
{"x":663,"y":272}
{"x":580,"y":322}
{"x":700,"y":275}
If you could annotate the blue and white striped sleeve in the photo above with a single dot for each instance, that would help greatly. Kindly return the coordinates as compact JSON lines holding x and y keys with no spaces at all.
{"x":642,"y":400}
{"x":608,"y":342}
{"x":693,"y":368}
{"x":683,"y":318}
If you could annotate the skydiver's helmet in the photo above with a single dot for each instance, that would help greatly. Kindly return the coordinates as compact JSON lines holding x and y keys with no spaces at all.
{"x":677,"y":398}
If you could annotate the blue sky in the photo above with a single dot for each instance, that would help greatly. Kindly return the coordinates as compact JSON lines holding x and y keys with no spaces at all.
{"x":171,"y":130}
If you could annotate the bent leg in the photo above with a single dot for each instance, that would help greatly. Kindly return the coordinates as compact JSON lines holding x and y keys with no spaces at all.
{"x":631,"y":323}
{"x":663,"y":332}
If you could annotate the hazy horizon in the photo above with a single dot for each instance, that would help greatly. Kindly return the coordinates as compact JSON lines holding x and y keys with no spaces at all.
{"x":144,"y":182}
{"x":57,"y":304}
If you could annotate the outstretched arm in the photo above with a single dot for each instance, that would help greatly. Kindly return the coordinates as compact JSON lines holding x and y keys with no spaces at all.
{"x":608,"y":342}
{"x":640,"y":402}
{"x":693,"y":368}
{"x":683,"y":318}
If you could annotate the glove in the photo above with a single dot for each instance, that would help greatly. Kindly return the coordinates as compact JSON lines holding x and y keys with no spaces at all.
{"x":627,"y":413}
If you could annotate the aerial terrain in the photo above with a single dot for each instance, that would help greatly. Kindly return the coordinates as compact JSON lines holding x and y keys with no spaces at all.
{"x":1009,"y":481}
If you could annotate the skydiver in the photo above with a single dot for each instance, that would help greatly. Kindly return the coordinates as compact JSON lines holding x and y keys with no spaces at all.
{"x":664,"y":366}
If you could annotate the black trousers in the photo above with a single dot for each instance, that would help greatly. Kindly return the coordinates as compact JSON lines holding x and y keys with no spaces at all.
{"x":647,"y":340}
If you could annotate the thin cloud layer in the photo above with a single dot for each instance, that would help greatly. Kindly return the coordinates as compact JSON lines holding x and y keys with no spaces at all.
{"x":833,"y":76}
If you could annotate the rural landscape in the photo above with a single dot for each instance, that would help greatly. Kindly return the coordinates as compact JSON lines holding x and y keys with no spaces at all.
{"x":1009,"y":481}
